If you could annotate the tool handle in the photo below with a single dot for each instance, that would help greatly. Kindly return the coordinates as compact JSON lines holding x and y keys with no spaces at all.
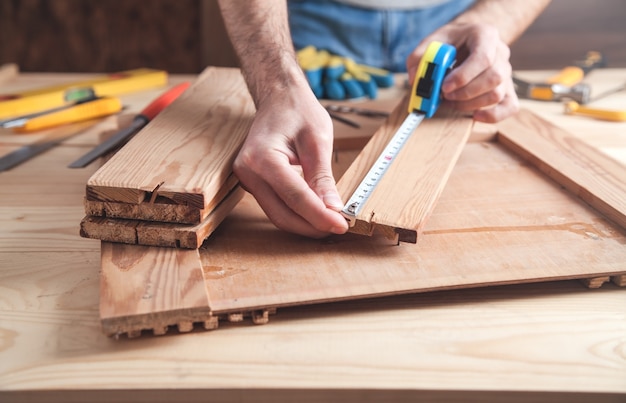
{"x":573,"y":108}
{"x":568,"y":77}
{"x":164,"y":100}
{"x":80,"y":112}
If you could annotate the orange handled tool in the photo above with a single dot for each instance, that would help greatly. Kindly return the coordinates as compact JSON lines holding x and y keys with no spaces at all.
{"x":139,"y":121}
{"x":92,"y":109}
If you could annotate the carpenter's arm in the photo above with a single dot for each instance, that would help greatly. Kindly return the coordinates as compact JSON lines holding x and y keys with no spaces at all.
{"x":290,"y":127}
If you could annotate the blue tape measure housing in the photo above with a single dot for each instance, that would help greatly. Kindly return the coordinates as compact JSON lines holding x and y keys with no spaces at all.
{"x":429,"y":86}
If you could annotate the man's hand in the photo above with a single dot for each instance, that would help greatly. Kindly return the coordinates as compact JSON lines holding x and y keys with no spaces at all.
{"x":481,"y":82}
{"x":292,"y":128}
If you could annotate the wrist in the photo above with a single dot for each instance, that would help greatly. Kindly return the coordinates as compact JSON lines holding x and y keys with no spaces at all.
{"x":278,"y":75}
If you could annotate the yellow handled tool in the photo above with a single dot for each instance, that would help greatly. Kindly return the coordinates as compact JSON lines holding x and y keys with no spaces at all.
{"x":574,"y":108}
{"x":96,"y":108}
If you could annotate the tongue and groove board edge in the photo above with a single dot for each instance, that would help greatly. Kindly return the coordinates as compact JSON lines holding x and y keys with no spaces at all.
{"x":498,"y":221}
{"x":189,"y":236}
{"x":182,"y":158}
{"x":405,"y":196}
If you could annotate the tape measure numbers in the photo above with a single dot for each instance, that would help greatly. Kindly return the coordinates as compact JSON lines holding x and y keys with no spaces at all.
{"x":425,"y":98}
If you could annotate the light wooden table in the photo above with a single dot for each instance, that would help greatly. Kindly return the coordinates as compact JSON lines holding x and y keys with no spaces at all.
{"x":551,"y":341}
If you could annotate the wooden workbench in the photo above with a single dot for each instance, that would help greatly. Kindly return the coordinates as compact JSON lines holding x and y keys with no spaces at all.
{"x":555,"y":340}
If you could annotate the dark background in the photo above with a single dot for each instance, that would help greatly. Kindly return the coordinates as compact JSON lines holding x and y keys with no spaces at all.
{"x":184,"y":36}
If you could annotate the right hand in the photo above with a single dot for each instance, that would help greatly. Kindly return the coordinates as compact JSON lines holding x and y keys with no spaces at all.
{"x":292,"y":128}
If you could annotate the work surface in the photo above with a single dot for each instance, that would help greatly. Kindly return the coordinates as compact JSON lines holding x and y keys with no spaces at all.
{"x":511,"y":343}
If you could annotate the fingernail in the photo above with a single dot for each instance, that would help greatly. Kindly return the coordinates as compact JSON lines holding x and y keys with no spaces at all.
{"x":339,"y":230}
{"x":332,"y":200}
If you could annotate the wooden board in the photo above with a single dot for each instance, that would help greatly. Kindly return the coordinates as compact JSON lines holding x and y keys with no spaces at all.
{"x":135,"y":295}
{"x":159,"y":233}
{"x":498,"y":221}
{"x":583,"y":170}
{"x":184,"y":156}
{"x":167,"y":213}
{"x":405,"y":196}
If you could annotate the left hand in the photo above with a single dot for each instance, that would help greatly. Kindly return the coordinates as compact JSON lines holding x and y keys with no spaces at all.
{"x":482,"y":81}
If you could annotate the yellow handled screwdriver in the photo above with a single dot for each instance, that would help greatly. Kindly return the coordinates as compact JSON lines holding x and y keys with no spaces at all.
{"x":87,"y":110}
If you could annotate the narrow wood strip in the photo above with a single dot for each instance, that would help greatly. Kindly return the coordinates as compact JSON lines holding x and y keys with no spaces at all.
{"x":158,"y":233}
{"x":185,"y":154}
{"x":143,"y":287}
{"x":160,"y":210}
{"x":406,"y":195}
{"x":594,"y":177}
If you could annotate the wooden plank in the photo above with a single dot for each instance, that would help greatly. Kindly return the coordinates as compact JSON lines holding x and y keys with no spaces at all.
{"x":143,"y":287}
{"x":583,"y":170}
{"x":138,"y":232}
{"x":406,"y":195}
{"x":184,"y":156}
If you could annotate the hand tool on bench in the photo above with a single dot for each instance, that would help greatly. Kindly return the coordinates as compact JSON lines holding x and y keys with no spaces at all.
{"x":424,"y":101}
{"x":566,"y":85}
{"x":139,"y":121}
{"x":333,"y":109}
{"x":37,"y":100}
{"x":574,"y":108}
{"x":86,"y":109}
{"x":29,"y":151}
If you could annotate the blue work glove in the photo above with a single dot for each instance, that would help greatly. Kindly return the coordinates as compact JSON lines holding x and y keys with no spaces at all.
{"x":335,"y":77}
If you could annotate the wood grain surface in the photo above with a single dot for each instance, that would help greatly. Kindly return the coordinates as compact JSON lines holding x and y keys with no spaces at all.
{"x":184,"y":156}
{"x":495,"y":223}
{"x":405,"y":196}
{"x":581,"y":169}
{"x":548,"y":341}
{"x":150,"y":288}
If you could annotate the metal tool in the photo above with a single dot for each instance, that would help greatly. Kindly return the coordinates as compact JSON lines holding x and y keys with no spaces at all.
{"x":334,"y":109}
{"x":424,"y":101}
{"x":139,"y":121}
{"x":566,"y":85}
{"x":81,"y":110}
{"x":31,"y":150}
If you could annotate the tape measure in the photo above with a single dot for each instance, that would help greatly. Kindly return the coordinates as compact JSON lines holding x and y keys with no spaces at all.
{"x":425,"y":99}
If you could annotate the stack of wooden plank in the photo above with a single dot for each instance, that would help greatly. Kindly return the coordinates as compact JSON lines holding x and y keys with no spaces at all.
{"x":172,"y":184}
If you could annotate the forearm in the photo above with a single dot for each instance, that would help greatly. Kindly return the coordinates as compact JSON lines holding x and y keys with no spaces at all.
{"x":510,"y":17}
{"x":259,"y":32}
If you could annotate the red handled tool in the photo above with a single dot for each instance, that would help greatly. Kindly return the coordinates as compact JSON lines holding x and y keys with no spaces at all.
{"x":137,"y":124}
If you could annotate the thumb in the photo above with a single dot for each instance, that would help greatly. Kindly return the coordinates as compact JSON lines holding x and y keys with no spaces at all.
{"x":318,"y":174}
{"x":323,"y":184}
